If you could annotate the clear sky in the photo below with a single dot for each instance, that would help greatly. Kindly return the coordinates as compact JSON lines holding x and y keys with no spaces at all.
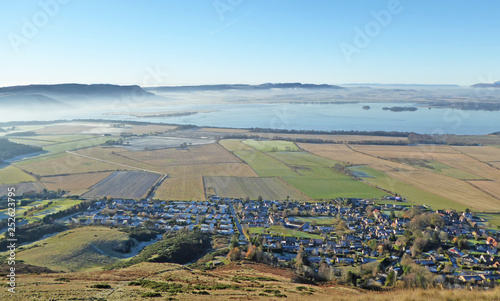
{"x":175,"y":42}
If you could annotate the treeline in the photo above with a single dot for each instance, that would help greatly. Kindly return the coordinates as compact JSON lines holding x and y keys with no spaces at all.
{"x":320,"y":141}
{"x":180,"y":247}
{"x":10,"y":149}
{"x":332,"y":132}
{"x":34,"y":231}
{"x":50,"y":218}
{"x":22,"y":134}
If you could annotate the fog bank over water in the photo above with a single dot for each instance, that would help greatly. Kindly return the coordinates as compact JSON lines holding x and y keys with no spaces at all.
{"x":433,"y":109}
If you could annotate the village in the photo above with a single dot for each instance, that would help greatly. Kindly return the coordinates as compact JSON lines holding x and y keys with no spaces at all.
{"x":343,"y":232}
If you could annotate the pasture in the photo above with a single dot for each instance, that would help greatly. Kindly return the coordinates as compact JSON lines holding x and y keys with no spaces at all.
{"x":75,"y":250}
{"x":282,"y":231}
{"x":123,"y":184}
{"x":268,"y":188}
{"x":56,"y":206}
{"x":312,"y":175}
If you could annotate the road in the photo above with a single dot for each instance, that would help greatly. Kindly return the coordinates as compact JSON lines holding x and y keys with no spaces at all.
{"x":236,"y":221}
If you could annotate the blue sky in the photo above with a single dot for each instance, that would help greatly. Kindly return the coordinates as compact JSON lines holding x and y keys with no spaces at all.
{"x":176,"y":42}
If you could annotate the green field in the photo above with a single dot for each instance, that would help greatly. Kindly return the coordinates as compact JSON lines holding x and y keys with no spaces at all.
{"x":493,"y":219}
{"x":272,"y":145}
{"x":264,"y":165}
{"x":414,"y":194}
{"x":323,"y":221}
{"x":82,"y":143}
{"x":62,"y":143}
{"x":12,"y":175}
{"x":313,"y":175}
{"x":75,"y":250}
{"x":57,"y":205}
{"x":280,"y":230}
{"x":319,"y":180}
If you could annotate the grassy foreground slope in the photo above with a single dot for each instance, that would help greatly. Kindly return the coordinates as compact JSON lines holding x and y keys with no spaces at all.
{"x":75,"y":250}
{"x":245,"y":281}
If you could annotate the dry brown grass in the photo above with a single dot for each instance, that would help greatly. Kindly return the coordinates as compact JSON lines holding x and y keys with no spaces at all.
{"x":481,"y":153}
{"x":114,"y":155}
{"x":45,"y":286}
{"x":185,"y":181}
{"x":446,"y":186}
{"x":65,"y":164}
{"x":73,"y":183}
{"x":469,"y":165}
{"x":451,"y":188}
{"x":63,"y":129}
{"x":252,"y":187}
{"x":200,"y":154}
{"x":188,"y":188}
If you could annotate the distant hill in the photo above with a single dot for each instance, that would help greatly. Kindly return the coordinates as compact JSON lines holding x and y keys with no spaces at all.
{"x":241,"y":87}
{"x":75,"y":89}
{"x":66,"y":95}
{"x":487,"y":85}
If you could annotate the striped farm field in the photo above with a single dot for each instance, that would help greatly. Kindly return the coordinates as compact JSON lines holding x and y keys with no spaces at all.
{"x":75,"y":184}
{"x":199,"y":154}
{"x":27,"y":187}
{"x":440,"y":186}
{"x":114,"y":155}
{"x":65,"y":164}
{"x":347,"y":154}
{"x":267,"y":188}
{"x":412,"y":193}
{"x":401,"y":151}
{"x":454,"y":189}
{"x":124,"y":184}
{"x":272,"y":145}
{"x":481,"y":153}
{"x":185,"y":182}
{"x":188,"y":188}
{"x":469,"y":165}
{"x":490,"y":187}
{"x":12,"y":174}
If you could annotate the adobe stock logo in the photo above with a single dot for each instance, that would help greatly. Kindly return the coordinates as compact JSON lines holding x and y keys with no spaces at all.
{"x":31,"y":26}
{"x":363,"y":36}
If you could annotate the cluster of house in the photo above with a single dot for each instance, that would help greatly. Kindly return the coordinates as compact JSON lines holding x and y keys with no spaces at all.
{"x":350,"y":246}
{"x":209,"y":216}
